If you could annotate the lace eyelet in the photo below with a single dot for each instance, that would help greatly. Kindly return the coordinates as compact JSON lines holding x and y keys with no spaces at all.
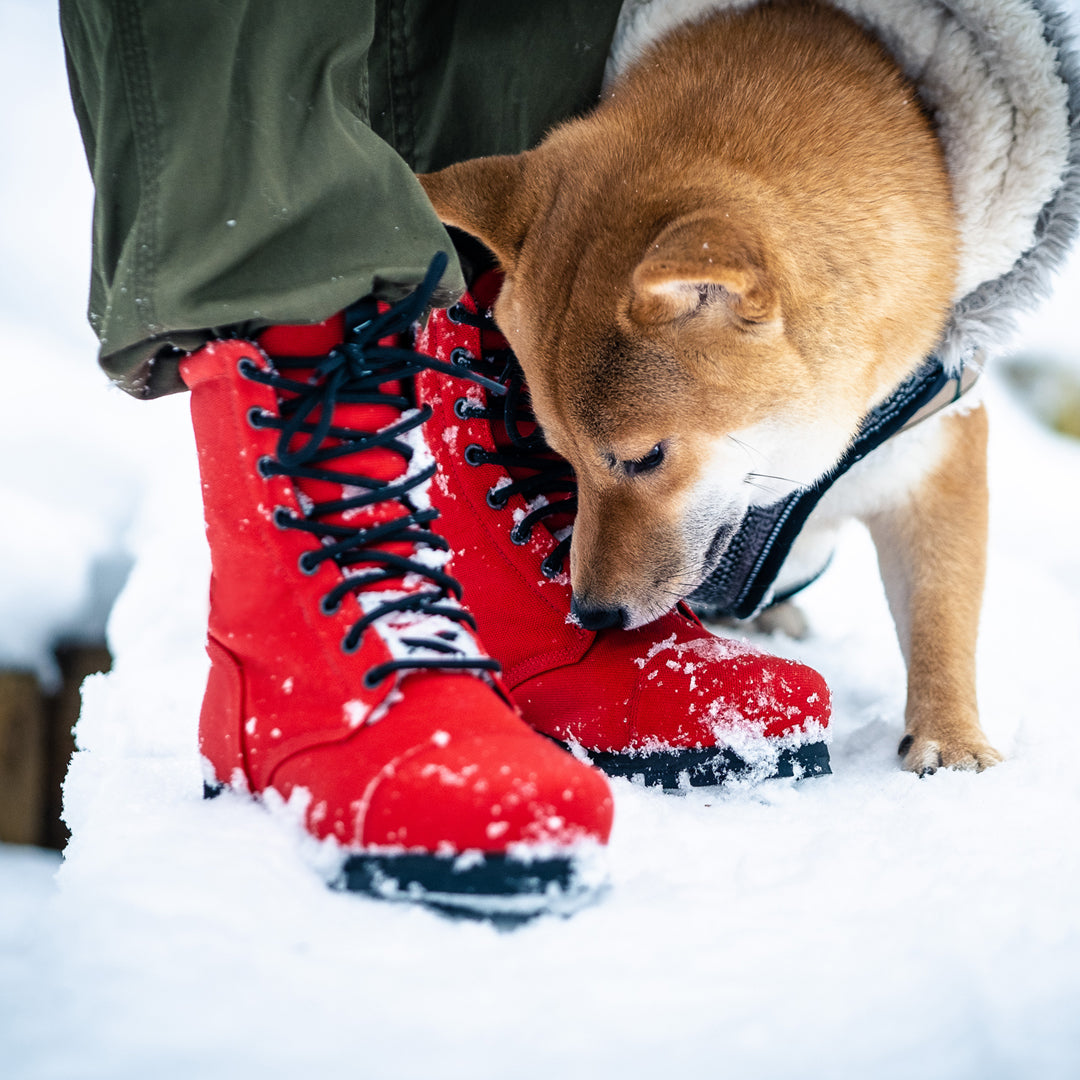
{"x":246,"y":367}
{"x":475,"y":454}
{"x":461,"y":406}
{"x":461,"y":357}
{"x":495,"y":500}
{"x":548,"y":570}
{"x":282,"y":517}
{"x":263,"y":466}
{"x":254,"y":416}
{"x":453,"y":313}
{"x":306,"y":566}
{"x":520,"y":538}
{"x":327,"y":608}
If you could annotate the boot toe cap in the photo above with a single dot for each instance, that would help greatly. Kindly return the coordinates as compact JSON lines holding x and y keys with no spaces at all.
{"x":748,"y":695}
{"x":487,"y":794}
{"x":454,"y":791}
{"x":675,"y":687}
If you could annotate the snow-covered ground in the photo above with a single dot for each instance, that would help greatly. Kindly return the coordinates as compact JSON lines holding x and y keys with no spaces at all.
{"x":863,"y":925}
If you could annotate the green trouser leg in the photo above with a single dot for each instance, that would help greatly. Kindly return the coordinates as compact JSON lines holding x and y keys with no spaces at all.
{"x":242,"y":159}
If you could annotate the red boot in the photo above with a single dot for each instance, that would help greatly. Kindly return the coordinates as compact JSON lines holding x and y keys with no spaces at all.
{"x":668,"y":701}
{"x":344,"y":673}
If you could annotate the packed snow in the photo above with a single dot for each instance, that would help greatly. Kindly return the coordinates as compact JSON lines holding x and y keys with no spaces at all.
{"x":868,"y":924}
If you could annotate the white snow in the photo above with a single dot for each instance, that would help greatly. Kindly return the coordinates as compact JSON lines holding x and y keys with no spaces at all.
{"x":867,"y":925}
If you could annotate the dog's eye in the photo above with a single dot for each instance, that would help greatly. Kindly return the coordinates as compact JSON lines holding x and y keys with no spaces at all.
{"x":645,"y":464}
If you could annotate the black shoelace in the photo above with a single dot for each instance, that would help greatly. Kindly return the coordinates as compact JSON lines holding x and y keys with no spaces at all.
{"x":354,"y":373}
{"x":552,"y":474}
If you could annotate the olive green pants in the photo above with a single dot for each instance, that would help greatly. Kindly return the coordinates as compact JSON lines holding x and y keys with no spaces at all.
{"x":253,"y":159}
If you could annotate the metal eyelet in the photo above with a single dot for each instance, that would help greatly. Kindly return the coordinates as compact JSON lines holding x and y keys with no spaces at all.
{"x":461,"y":357}
{"x":520,"y":538}
{"x":283,"y":517}
{"x":306,"y":567}
{"x":495,"y":500}
{"x":548,"y":570}
{"x":475,"y":454}
{"x":254,"y":416}
{"x":453,"y":313}
{"x":245,"y":366}
{"x":461,"y":406}
{"x":263,"y":466}
{"x":327,"y":608}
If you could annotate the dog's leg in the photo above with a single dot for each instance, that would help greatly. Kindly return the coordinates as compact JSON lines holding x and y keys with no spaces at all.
{"x":932,"y":554}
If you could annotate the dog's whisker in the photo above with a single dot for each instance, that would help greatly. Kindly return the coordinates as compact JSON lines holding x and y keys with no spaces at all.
{"x":769,"y":489}
{"x":769,"y":476}
{"x":751,"y":452}
{"x":681,"y":590}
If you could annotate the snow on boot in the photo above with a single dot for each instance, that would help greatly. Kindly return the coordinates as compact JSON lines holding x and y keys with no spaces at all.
{"x":668,"y":702}
{"x":345,"y":675}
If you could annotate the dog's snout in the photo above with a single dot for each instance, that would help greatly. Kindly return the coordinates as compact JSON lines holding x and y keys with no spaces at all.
{"x":593,"y":617}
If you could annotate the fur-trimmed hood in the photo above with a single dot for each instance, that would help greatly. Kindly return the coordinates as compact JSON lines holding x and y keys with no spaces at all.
{"x":1001,"y":81}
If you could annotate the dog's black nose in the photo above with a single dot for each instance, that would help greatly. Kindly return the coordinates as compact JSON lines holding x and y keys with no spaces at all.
{"x":597,"y":618}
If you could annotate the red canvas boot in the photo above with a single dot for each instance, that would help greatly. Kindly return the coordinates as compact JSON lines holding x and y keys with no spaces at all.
{"x":669,"y":702}
{"x":345,"y":676}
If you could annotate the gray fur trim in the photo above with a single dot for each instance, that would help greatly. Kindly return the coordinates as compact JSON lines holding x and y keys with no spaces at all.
{"x":986,"y":317}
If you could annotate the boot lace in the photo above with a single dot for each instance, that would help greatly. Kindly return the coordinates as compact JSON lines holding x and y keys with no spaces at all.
{"x":356,"y":372}
{"x":500,"y":374}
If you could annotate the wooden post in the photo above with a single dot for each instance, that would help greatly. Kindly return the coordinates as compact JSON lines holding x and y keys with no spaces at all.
{"x":76,"y":662}
{"x":22,"y":757}
{"x":36,"y":744}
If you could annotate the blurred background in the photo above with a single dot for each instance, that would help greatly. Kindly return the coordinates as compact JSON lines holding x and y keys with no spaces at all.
{"x":77,"y":455}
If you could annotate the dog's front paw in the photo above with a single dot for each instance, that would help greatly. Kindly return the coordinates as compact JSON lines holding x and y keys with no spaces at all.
{"x":925,"y":755}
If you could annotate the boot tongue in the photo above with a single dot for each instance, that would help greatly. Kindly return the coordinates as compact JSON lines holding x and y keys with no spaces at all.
{"x":299,"y":341}
{"x":485,"y":291}
{"x":486,"y":288}
{"x":289,"y":347}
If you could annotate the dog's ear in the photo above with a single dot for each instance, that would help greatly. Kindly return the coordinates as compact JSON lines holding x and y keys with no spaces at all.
{"x":701,"y":264}
{"x":485,"y":197}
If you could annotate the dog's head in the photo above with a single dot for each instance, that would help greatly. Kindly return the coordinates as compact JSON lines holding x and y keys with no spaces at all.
{"x":663,"y":354}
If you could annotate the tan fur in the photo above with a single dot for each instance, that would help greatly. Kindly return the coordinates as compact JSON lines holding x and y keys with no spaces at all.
{"x":747,"y":244}
{"x":932,"y":552}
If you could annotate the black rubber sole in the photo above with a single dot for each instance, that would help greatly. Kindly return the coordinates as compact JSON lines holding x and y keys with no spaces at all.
{"x":674,"y":769}
{"x":495,"y":887}
{"x":498,"y":888}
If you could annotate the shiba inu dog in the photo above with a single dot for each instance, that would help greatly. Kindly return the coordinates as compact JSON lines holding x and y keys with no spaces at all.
{"x":710,"y":281}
